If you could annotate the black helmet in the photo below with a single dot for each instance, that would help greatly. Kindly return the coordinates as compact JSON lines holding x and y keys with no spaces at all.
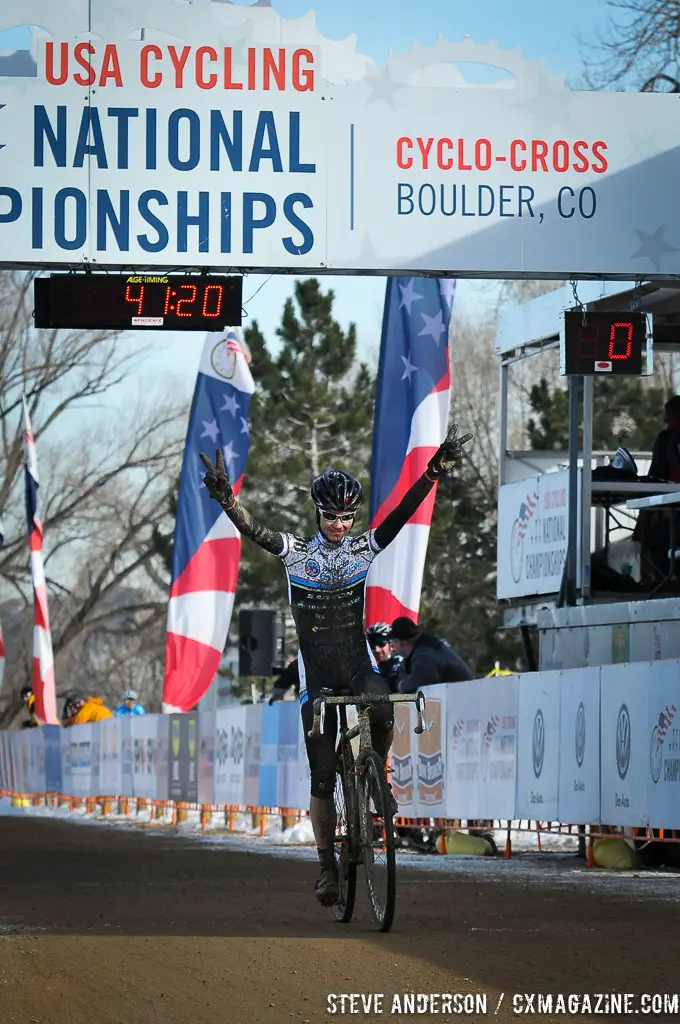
{"x":337,"y":491}
{"x":379,"y":632}
{"x":26,"y":692}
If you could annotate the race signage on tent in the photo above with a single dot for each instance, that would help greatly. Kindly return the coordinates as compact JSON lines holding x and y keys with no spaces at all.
{"x":203,"y":133}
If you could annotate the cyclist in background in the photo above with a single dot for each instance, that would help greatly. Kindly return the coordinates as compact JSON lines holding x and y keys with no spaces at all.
{"x":130,"y":705}
{"x":378,"y":636}
{"x":79,"y":709}
{"x":28,"y":697}
{"x":327,"y":582}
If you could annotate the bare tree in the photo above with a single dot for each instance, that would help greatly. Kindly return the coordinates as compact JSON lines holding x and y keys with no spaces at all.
{"x":106,"y":466}
{"x":639,"y":47}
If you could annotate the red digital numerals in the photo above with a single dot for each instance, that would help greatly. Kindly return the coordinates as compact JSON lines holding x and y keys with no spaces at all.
{"x":178,"y":304}
{"x":613,"y":341}
{"x":620,"y":347}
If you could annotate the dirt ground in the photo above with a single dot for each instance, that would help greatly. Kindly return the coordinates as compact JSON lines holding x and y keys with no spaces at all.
{"x":131,"y":927}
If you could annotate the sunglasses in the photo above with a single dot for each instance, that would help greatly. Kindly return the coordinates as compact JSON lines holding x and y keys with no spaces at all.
{"x":331,"y":517}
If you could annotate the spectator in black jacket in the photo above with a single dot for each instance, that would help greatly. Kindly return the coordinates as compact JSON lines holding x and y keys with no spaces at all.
{"x":289,"y":677}
{"x":427,"y":659}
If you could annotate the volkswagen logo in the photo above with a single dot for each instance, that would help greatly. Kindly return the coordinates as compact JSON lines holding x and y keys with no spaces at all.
{"x":580,"y":734}
{"x":538,"y":743}
{"x":623,"y":741}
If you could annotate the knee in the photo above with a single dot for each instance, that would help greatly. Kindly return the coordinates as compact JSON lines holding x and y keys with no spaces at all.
{"x":382,"y":718}
{"x":323,"y":781}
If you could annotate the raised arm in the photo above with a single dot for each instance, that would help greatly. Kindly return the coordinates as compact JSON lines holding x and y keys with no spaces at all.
{"x":219,"y":488}
{"x":442,"y":461}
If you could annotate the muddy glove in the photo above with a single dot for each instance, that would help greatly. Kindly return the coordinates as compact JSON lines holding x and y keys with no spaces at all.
{"x":217,"y":481}
{"x":448,"y":453}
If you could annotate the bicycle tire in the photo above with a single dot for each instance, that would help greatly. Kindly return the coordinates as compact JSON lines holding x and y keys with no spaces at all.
{"x":373,"y":787}
{"x":346,"y":843}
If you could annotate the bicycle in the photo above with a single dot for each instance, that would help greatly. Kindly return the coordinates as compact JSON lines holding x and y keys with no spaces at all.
{"x":362,"y":800}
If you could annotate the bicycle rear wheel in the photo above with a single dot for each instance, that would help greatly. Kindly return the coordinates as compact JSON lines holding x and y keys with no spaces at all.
{"x":377,"y":840}
{"x":345,"y":836}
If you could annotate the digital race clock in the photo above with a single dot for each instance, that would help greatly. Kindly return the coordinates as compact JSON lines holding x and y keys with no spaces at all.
{"x":614,"y":343}
{"x":151,"y":302}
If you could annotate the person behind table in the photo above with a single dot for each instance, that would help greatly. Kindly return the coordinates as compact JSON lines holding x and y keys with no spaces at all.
{"x":427,"y":659}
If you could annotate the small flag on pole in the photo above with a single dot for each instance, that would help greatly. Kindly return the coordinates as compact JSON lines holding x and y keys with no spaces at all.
{"x":43,"y":661}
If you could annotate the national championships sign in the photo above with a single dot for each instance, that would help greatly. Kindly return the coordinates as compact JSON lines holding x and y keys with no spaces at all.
{"x":206,"y":134}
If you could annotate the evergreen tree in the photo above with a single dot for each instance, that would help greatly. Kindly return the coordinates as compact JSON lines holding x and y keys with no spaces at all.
{"x":313,"y":408}
{"x":459,"y":584}
{"x":627,"y":411}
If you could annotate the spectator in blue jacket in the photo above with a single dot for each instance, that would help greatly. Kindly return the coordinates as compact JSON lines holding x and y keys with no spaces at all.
{"x":130,"y":705}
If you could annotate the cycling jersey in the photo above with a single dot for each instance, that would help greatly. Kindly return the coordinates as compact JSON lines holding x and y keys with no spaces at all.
{"x":327,"y":584}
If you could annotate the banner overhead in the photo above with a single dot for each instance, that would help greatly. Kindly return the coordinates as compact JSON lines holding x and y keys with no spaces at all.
{"x":211,"y":134}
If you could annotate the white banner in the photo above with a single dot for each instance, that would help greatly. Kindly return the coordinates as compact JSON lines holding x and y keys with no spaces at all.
{"x":150,"y":756}
{"x":251,"y":787}
{"x":498,"y":747}
{"x":663,"y":785}
{"x":78,"y":739}
{"x":111,"y":757}
{"x":206,"y":757}
{"x":624,"y":731}
{"x":212,"y":135}
{"x":579,"y":746}
{"x":463,"y":749}
{"x":230,"y":743}
{"x":533,"y":522}
{"x":538,"y":746}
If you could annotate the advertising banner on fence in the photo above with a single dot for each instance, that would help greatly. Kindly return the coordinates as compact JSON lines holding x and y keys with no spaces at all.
{"x":222,"y":135}
{"x":498,"y":747}
{"x":533,"y":522}
{"x":402,"y":759}
{"x":429,"y":755}
{"x":150,"y":736}
{"x":252,"y":762}
{"x":624,"y":754}
{"x":230,"y":743}
{"x":538,"y":746}
{"x":578,"y":800}
{"x":463,"y":749}
{"x":663,"y":777}
{"x":207,"y":733}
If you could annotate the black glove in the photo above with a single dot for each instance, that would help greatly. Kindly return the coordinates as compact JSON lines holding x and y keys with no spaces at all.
{"x":217,"y":481}
{"x":448,"y":453}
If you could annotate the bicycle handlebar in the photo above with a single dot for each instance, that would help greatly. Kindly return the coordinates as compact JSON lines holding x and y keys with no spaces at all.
{"x":366,"y":700}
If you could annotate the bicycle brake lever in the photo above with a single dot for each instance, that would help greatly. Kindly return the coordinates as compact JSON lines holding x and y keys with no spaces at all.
{"x":420,"y":708}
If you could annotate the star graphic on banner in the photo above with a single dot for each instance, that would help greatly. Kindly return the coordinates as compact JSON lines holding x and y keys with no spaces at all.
{"x":409,"y":368}
{"x":434,"y":327}
{"x":245,"y":426}
{"x":230,"y":405}
{"x":210,"y":430}
{"x":383,"y":87}
{"x":652,"y":246}
{"x":447,"y":287}
{"x":409,"y":295}
{"x":229,"y":454}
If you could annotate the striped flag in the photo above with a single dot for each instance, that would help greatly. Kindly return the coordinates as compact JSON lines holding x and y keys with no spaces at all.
{"x":207,"y":547}
{"x":411,"y":418}
{"x":43,"y":661}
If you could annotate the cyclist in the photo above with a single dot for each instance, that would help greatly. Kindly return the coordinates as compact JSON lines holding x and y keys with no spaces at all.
{"x":327,"y":582}
{"x":378,"y":636}
{"x":28,"y":697}
{"x":130,"y":705}
{"x":79,"y":709}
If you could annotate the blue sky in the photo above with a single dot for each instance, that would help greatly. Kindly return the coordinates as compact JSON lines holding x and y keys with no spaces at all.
{"x":543,"y":29}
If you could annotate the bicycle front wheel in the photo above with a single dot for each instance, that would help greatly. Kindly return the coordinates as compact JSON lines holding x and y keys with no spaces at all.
{"x":377,"y":840}
{"x":345,"y":840}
